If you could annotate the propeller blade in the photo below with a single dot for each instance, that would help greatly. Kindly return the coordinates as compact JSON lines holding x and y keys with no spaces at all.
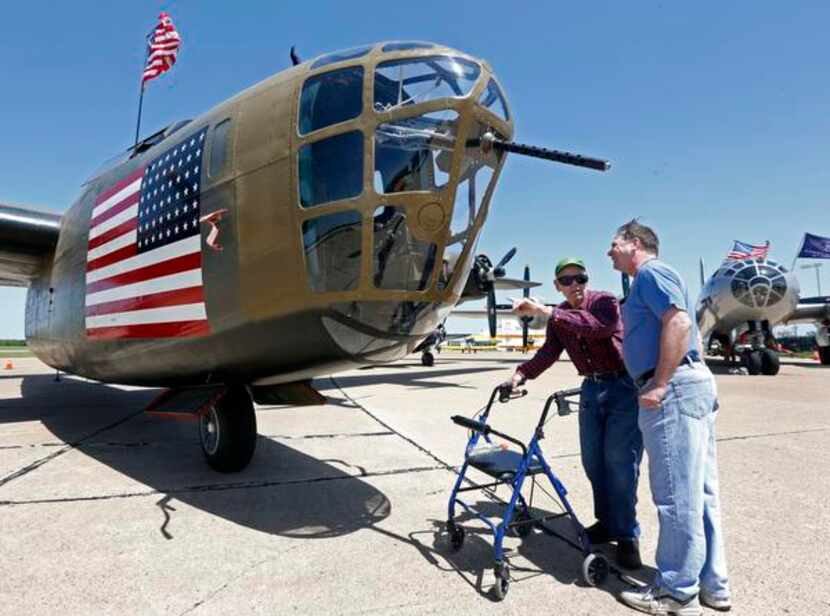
{"x":506,"y":258}
{"x":491,"y":311}
{"x":526,"y":291}
{"x":524,"y":332}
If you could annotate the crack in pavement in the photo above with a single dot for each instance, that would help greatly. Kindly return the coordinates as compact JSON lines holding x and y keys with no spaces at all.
{"x":177,"y":443}
{"x":220,"y":487}
{"x":69,"y":447}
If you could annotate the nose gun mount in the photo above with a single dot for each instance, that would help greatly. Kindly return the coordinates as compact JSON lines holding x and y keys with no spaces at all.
{"x":488,"y":142}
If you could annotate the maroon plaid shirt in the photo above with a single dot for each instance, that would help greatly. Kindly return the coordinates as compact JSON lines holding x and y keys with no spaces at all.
{"x":592,"y":336}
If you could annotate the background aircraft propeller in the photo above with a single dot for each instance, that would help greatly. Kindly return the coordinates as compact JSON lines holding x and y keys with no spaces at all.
{"x":485,"y":276}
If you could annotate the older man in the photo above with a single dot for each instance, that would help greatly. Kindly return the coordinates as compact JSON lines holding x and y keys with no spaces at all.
{"x":587,"y":325}
{"x":677,"y":400}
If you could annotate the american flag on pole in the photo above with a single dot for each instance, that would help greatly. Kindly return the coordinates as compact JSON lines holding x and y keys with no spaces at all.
{"x":742,"y":250}
{"x":144,"y":256}
{"x":163,"y":47}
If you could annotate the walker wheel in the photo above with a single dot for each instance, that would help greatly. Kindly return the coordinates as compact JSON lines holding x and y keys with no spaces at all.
{"x":501,"y":586}
{"x":595,"y":569}
{"x":523,"y":530}
{"x":457,"y":535}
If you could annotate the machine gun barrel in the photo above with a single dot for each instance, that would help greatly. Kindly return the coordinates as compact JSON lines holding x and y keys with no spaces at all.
{"x":488,"y":141}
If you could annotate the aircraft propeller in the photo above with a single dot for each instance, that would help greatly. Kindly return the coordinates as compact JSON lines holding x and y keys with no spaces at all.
{"x":486,"y":275}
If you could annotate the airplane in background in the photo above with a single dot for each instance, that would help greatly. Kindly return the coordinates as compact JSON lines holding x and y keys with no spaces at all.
{"x":323,"y":219}
{"x":742,"y":301}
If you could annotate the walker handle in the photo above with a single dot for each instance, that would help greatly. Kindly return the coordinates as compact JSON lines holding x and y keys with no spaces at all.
{"x":471,"y":424}
{"x":508,"y":393}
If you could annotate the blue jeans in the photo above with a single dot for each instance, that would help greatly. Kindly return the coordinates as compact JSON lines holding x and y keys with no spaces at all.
{"x":683,"y":471}
{"x":612,"y":448}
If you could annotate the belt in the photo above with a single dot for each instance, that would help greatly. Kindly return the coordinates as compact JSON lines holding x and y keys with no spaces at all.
{"x":688,"y":360}
{"x":606,"y":376}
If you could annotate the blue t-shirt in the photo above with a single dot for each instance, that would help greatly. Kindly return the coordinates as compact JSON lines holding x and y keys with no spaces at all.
{"x":655,"y":289}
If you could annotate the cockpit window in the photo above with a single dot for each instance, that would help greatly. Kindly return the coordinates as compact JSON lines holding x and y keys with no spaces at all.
{"x":331,"y":169}
{"x":404,"y":45}
{"x":417,"y":80}
{"x":400,"y":260}
{"x":493,"y":99}
{"x":332,"y":251}
{"x":331,"y":98}
{"x":414,"y":153}
{"x":339,"y":56}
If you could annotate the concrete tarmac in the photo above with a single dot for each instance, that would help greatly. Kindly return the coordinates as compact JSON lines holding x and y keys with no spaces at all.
{"x":105,"y":510}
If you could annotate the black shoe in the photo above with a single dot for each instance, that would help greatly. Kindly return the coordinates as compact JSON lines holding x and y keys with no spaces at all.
{"x":628,"y":554}
{"x":597,"y":534}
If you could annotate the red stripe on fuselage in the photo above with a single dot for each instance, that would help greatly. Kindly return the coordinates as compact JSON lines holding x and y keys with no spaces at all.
{"x":106,"y":236}
{"x":190,"y":295}
{"x":108,"y":259}
{"x":120,"y":185}
{"x":164,"y":268}
{"x":119,"y":207}
{"x":152,"y":330}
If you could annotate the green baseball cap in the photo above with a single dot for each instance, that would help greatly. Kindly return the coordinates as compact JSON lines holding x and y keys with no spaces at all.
{"x":569,"y":261}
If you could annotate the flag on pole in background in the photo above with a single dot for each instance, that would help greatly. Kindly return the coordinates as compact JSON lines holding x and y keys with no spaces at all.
{"x":742,"y":250}
{"x":814,"y":247}
{"x":163,"y":46}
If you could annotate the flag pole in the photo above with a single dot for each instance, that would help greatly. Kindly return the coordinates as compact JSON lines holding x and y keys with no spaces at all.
{"x":138,"y":121}
{"x":798,"y":252}
{"x":141,"y":95}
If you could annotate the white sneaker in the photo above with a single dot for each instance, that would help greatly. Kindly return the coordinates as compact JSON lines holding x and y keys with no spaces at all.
{"x":716,"y":603}
{"x":656,"y":601}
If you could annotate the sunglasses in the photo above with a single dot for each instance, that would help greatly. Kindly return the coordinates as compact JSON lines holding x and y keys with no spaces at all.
{"x":567,"y":281}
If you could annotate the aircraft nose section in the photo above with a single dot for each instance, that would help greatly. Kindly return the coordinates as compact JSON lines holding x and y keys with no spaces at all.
{"x":759,"y":285}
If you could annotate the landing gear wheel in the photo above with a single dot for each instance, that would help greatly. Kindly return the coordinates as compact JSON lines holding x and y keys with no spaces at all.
{"x":227,"y":431}
{"x":502,"y":584}
{"x":769,"y":362}
{"x":427,"y":359}
{"x":456,"y":534}
{"x":752,"y":361}
{"x":595,"y":569}
{"x":523,"y":530}
{"x":824,"y":355}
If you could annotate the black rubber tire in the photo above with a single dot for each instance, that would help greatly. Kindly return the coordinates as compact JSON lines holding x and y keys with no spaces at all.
{"x":457,"y":536}
{"x":523,"y":530}
{"x":752,"y":361}
{"x":501,"y":586}
{"x":770,"y":364}
{"x":228,"y":431}
{"x":595,"y":569}
{"x":428,"y":359}
{"x":824,"y":355}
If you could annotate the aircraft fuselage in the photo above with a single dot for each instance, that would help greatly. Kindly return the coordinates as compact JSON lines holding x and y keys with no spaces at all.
{"x":323,"y":218}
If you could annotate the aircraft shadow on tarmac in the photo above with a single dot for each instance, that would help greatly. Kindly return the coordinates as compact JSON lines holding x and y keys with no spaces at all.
{"x":283,"y":491}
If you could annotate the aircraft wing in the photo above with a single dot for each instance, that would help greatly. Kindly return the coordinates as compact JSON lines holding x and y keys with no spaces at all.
{"x":27,"y":238}
{"x":515,"y":283}
{"x":810,"y":310}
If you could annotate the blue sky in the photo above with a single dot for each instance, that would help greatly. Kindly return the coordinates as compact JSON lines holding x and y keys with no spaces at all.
{"x":714,"y":115}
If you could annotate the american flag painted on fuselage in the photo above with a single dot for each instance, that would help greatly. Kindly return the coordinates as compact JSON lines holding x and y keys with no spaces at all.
{"x":144,"y":256}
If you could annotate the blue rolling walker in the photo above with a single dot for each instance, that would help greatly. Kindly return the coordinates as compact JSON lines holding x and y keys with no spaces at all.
{"x":509,"y":467}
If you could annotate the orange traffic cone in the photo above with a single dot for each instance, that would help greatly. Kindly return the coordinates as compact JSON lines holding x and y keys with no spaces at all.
{"x":8,"y":365}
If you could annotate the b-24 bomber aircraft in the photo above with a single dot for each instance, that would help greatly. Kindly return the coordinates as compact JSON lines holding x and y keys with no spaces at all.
{"x":322,"y":219}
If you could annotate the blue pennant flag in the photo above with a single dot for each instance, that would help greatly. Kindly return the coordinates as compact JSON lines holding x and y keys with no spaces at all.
{"x":814,"y":247}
